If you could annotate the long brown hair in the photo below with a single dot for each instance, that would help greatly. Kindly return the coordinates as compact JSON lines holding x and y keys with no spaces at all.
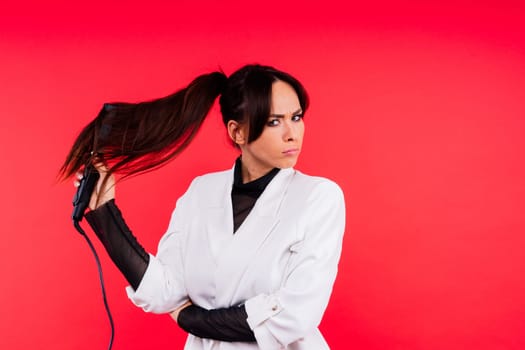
{"x":137,"y":137}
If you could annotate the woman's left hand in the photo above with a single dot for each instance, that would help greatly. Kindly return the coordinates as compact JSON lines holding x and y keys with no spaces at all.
{"x":175,"y":314}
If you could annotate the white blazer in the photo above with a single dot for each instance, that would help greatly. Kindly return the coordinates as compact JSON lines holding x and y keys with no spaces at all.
{"x":281,"y":263}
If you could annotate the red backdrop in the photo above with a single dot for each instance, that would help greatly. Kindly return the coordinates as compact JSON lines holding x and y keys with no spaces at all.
{"x":417,"y":112}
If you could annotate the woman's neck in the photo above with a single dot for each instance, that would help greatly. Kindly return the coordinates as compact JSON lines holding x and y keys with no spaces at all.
{"x":250,"y":174}
{"x":250,"y":170}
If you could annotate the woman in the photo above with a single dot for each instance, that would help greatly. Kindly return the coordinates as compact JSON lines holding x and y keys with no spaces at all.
{"x":250,"y":255}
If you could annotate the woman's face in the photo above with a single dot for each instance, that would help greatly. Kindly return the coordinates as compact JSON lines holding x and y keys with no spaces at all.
{"x":280,"y":142}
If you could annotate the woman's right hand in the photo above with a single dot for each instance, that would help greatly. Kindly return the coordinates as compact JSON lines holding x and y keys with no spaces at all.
{"x":101,"y":194}
{"x":175,"y":314}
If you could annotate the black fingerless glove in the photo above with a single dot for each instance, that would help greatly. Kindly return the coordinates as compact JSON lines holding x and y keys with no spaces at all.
{"x":123,"y":248}
{"x":227,"y":324}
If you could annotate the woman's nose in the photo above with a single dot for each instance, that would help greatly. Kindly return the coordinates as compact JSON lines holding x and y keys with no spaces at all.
{"x":289,"y":133}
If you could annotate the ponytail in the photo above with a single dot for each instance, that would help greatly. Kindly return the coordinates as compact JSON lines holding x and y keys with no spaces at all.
{"x":135,"y":138}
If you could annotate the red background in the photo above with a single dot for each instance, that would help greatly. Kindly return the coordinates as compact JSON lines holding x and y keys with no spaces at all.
{"x":417,"y":112}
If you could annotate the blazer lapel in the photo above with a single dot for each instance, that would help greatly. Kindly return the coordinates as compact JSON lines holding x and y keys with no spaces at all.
{"x":242,"y":247}
{"x":218,"y":218}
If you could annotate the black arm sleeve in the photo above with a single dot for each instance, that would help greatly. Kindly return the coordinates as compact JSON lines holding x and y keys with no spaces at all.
{"x":221,"y":324}
{"x":127,"y":254}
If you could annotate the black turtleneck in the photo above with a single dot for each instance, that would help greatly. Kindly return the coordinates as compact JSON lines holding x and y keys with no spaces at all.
{"x":244,"y":195}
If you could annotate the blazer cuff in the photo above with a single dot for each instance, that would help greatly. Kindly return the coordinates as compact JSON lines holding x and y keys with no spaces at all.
{"x":147,"y":295}
{"x":260,"y":308}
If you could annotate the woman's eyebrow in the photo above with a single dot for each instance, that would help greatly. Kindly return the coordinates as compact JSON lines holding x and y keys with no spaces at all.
{"x":299,"y":111}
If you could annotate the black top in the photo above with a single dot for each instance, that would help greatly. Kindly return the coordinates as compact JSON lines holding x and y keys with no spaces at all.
{"x":245,"y":195}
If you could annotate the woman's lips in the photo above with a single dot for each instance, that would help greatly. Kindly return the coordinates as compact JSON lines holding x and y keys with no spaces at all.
{"x":291,"y":152}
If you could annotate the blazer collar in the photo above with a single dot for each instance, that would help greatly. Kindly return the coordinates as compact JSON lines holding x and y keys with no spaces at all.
{"x":269,"y":203}
{"x":274,"y":192}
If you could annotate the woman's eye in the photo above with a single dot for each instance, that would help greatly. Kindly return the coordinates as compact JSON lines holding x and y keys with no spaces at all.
{"x":297,"y":117}
{"x":273,"y":122}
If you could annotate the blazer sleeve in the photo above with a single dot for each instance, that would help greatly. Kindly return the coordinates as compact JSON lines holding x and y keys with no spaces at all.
{"x":296,"y":309}
{"x":162,"y":288}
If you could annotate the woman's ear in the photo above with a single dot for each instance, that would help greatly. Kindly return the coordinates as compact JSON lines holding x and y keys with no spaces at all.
{"x":237,"y":132}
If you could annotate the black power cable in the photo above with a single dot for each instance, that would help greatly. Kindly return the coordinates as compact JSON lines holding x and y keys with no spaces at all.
{"x":101,"y":277}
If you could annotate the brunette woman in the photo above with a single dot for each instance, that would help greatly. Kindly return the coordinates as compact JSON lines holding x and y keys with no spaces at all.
{"x":251,"y":253}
